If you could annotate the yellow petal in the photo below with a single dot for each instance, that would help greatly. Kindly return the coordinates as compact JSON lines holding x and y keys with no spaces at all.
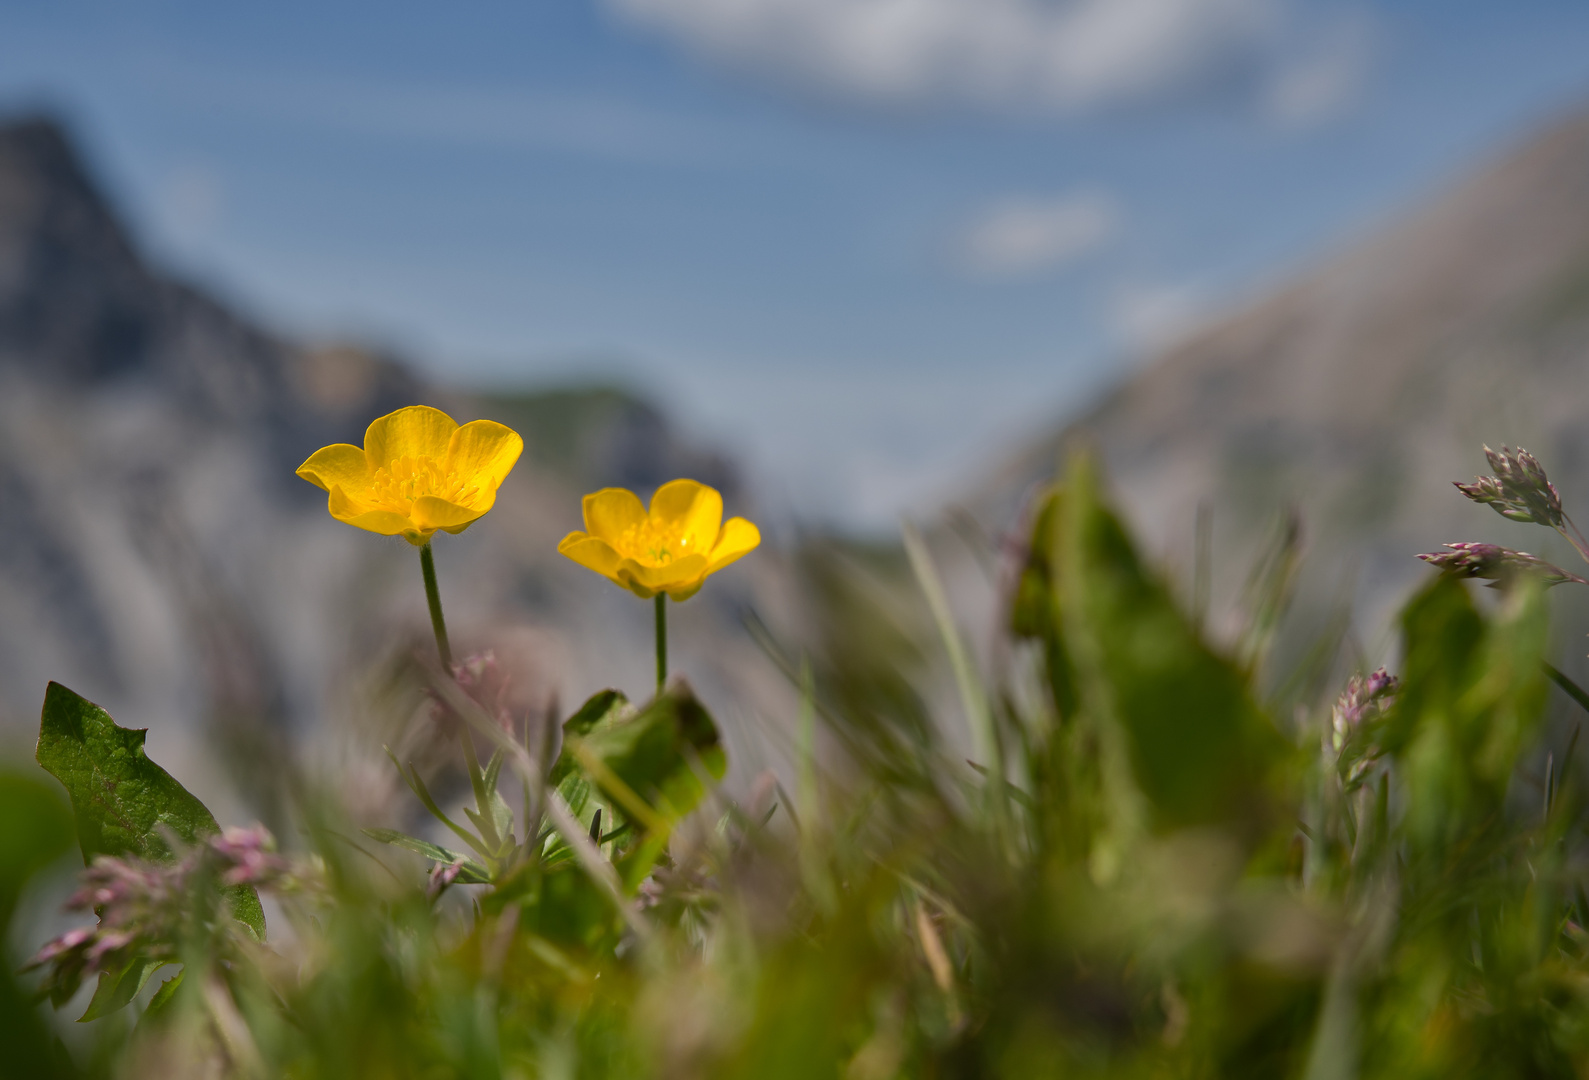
{"x":691,"y":508}
{"x":384,"y":522}
{"x":739,"y":537}
{"x":340,"y":463}
{"x":344,"y":506}
{"x":679,"y":594}
{"x":417,"y":431}
{"x":431,"y":513}
{"x":484,"y":452}
{"x":612,"y":510}
{"x":591,"y":552}
{"x":678,"y":574}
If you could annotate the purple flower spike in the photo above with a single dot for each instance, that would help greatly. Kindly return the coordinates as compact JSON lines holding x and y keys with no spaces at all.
{"x":1519,"y":490}
{"x":1496,"y":564}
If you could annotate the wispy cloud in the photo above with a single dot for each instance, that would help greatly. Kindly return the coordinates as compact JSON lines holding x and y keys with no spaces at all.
{"x":1066,"y":55}
{"x":1025,"y":235}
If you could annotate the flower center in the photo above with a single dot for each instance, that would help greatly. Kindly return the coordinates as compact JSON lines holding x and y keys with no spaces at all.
{"x":652,"y":543}
{"x":396,"y":486}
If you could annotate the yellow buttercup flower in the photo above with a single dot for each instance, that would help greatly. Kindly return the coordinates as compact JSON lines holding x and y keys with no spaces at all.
{"x":418,"y":472}
{"x":670,"y":548}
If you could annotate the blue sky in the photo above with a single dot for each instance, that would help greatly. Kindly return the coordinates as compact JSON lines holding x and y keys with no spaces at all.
{"x":867,"y":244}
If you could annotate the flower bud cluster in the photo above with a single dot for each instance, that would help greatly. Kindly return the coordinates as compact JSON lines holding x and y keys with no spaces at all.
{"x":142,"y":905}
{"x":1519,"y":490}
{"x":481,"y":677}
{"x":1496,"y":564}
{"x":1364,"y":699}
{"x":441,"y":876}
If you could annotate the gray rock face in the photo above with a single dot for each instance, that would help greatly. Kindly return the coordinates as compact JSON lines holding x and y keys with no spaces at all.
{"x":1358,"y":391}
{"x":160,"y":555}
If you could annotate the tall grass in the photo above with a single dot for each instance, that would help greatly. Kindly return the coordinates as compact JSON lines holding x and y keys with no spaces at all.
{"x":1148,"y":869}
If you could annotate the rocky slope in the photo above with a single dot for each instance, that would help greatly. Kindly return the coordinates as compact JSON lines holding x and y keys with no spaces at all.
{"x":1356,"y":392}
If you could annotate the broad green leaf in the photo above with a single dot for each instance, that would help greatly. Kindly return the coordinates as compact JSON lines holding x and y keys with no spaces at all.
{"x":1200,"y":749}
{"x":651,"y":751}
{"x":1473,"y":694}
{"x":604,"y":707}
{"x":120,"y":798}
{"x":35,"y":830}
{"x":162,"y":997}
{"x":117,"y":988}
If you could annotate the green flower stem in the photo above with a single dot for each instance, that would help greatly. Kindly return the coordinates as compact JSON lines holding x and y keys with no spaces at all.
{"x":662,"y":640}
{"x":427,"y":565}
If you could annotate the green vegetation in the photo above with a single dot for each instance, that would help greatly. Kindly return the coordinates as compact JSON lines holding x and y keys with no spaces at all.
{"x":1151,"y":868}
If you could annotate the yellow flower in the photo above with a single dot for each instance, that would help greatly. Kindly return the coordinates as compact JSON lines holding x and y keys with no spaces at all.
{"x":418,"y":472}
{"x":668,"y":549}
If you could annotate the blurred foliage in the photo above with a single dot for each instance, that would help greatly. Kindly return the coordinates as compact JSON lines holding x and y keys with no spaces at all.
{"x":1154,"y":873}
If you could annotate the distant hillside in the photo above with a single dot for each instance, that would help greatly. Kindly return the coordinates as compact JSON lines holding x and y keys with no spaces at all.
{"x":162,"y":558}
{"x":1359,"y":390}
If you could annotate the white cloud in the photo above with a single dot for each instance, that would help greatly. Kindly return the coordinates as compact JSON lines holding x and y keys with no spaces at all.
{"x":1064,"y":54}
{"x":1024,"y":235}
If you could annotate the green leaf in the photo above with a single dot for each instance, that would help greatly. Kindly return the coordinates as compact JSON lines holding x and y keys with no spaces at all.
{"x":472,"y":873}
{"x":1200,"y":749}
{"x":35,"y":830}
{"x":162,"y":997}
{"x":651,"y":751}
{"x":117,"y":988}
{"x":1472,"y":698}
{"x":604,"y":707}
{"x":120,"y":798}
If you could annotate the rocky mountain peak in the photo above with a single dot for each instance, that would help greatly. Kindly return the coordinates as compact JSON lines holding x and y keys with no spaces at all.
{"x":74,"y":295}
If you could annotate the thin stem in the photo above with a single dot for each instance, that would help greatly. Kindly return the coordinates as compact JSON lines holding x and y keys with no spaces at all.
{"x":662,"y":640}
{"x":1574,"y":537}
{"x":427,"y":564}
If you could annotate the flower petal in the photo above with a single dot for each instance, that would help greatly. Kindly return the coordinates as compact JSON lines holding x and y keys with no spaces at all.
{"x":431,"y":513}
{"x":344,"y":506}
{"x":627,"y":577}
{"x":483,"y":452}
{"x":693,"y":509}
{"x":340,"y":463}
{"x":384,"y":522}
{"x":680,"y":574}
{"x":739,"y":537}
{"x":417,"y":431}
{"x":679,"y":594}
{"x":610,"y":511}
{"x":591,"y":552}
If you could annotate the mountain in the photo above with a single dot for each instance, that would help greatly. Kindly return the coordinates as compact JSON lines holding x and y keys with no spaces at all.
{"x":1357,"y":391}
{"x":163,"y":559}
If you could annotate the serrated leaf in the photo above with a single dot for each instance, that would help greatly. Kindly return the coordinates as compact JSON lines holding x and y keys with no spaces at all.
{"x":162,"y":997}
{"x":117,"y":988}
{"x":120,"y":798}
